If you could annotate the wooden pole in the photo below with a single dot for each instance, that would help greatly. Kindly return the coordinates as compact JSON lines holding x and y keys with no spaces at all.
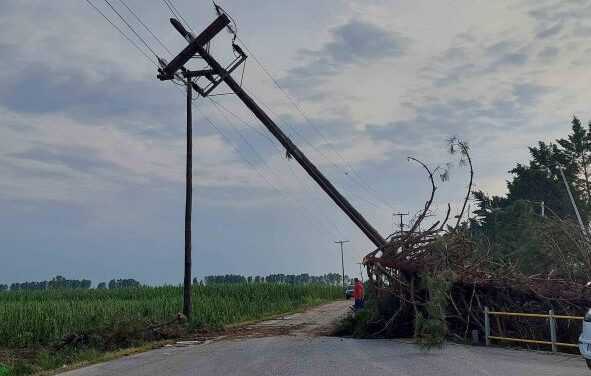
{"x":294,"y":151}
{"x":486,"y":326}
{"x":342,"y":259}
{"x":553,"y":338}
{"x":187,"y":308}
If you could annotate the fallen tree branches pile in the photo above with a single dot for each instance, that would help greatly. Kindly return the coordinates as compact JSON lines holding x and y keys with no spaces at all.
{"x":434,"y":283}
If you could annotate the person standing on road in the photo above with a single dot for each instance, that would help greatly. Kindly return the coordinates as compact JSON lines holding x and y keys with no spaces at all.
{"x":358,"y":294}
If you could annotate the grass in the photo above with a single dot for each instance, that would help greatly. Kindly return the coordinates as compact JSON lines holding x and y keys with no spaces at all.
{"x":38,"y":320}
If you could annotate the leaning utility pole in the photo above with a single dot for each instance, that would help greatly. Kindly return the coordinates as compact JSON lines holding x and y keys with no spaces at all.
{"x":215,"y":74}
{"x":342,"y":258}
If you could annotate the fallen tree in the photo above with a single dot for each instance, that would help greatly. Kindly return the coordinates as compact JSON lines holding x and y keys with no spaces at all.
{"x":434,"y":283}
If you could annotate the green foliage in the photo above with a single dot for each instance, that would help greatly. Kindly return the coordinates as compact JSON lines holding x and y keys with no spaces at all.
{"x":21,"y":368}
{"x":541,"y":179}
{"x":510,"y":233}
{"x":431,"y":325}
{"x":330,"y":278}
{"x":58,"y":282}
{"x":356,"y":325}
{"x":48,"y":360}
{"x":42,"y":317}
{"x":228,"y":278}
{"x":124,"y":283}
{"x":4,"y":371}
{"x":362,"y":323}
{"x":512,"y":230}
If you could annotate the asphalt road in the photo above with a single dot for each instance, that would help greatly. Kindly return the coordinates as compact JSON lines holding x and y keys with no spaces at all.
{"x":301,"y":352}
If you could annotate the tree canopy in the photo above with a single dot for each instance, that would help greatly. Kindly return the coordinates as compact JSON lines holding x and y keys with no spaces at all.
{"x":516,"y":227}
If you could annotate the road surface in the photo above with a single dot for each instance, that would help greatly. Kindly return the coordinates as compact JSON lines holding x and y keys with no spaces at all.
{"x":294,"y":346}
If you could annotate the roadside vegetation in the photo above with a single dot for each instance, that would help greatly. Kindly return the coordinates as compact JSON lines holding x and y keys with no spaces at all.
{"x":45,"y":329}
{"x":526,"y":251}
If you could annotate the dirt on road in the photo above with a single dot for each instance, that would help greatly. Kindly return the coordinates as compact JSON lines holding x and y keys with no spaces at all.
{"x":314,"y":321}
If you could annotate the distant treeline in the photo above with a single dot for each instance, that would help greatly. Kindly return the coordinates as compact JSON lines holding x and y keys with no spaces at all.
{"x":60,"y":282}
{"x":328,"y":279}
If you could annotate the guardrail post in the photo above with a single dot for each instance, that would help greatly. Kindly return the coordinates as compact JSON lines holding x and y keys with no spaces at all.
{"x":553,"y":330}
{"x":486,"y":326}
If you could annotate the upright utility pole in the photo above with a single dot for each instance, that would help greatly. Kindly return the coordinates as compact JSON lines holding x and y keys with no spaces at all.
{"x":187,"y":306}
{"x":342,"y":258}
{"x":178,"y":62}
{"x":360,"y":270}
{"x":401,"y":222}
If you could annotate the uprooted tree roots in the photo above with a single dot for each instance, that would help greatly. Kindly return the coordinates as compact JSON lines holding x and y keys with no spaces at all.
{"x":434,"y":283}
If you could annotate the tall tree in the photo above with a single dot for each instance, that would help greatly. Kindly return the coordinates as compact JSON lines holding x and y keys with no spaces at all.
{"x":576,"y":149}
{"x":541,"y":180}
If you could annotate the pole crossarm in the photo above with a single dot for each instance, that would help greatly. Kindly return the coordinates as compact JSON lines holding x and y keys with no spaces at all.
{"x":167,"y":73}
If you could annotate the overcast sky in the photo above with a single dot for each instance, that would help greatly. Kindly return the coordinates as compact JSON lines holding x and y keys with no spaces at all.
{"x":92,"y":144}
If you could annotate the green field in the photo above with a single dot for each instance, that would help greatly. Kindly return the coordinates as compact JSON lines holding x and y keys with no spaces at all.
{"x":38,"y":318}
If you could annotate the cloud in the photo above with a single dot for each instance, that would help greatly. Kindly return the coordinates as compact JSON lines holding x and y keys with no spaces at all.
{"x":87,"y":94}
{"x":77,"y":158}
{"x":528,"y":94}
{"x":465,"y":60}
{"x":360,"y":42}
{"x":514,"y":58}
{"x":562,"y":19}
{"x":472,"y":119}
{"x":353,"y":43}
{"x":549,"y":32}
{"x":549,"y":52}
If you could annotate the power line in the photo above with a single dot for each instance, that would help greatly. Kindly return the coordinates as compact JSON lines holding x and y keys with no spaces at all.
{"x":358,"y":197}
{"x":294,"y":103}
{"x":131,"y":28}
{"x":272,"y":142}
{"x":176,"y":13}
{"x":122,"y":33}
{"x":261,"y":174}
{"x":207,"y":118}
{"x":320,"y":152}
{"x":262,"y":160}
{"x":146,"y":27}
{"x":264,"y":134}
{"x":167,"y":6}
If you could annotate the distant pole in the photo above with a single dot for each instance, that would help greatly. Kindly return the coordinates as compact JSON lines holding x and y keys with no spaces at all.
{"x":360,"y":270}
{"x":401,"y":222}
{"x":572,"y":200}
{"x":542,"y":206}
{"x":342,"y":258}
{"x":188,"y":204}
